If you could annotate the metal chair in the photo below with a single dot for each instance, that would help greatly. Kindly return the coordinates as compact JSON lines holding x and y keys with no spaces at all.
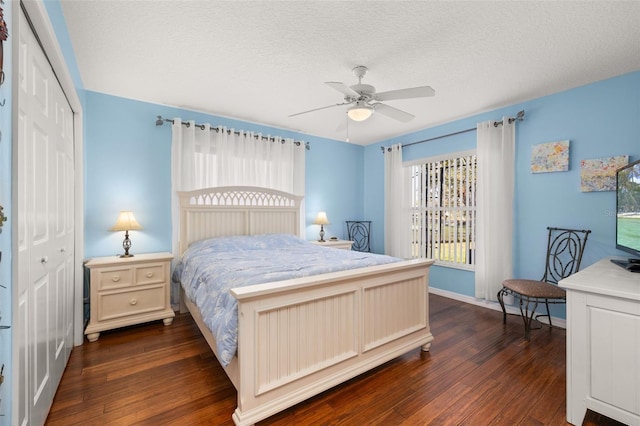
{"x":564,"y":254}
{"x":359,"y":232}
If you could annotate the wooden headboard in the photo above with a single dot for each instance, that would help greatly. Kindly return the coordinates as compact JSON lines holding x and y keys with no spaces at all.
{"x":236,"y":210}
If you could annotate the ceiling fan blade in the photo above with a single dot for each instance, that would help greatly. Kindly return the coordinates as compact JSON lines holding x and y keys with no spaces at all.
{"x":343,"y":88}
{"x":414,"y":92}
{"x":318,"y":109}
{"x":392,"y":112}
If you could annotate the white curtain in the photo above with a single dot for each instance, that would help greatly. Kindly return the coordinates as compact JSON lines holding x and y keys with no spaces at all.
{"x":203,"y":158}
{"x":494,"y":221}
{"x":397,"y":199}
{"x":248,"y":160}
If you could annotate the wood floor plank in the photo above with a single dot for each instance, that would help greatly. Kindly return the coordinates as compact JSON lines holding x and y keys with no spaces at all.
{"x":478,"y":372}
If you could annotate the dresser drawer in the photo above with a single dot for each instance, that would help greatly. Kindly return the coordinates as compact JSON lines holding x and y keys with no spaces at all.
{"x":131,"y":302}
{"x":114,"y":278}
{"x":149,"y":274}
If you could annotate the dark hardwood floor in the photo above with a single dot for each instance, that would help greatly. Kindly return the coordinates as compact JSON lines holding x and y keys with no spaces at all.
{"x":478,"y":372}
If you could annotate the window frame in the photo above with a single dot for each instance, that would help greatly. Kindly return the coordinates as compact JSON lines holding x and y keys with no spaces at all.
{"x":420,"y":212}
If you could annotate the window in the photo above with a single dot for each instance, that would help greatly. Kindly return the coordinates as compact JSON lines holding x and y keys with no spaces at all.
{"x":443,"y":209}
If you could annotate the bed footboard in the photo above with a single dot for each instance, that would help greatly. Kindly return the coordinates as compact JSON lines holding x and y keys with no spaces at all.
{"x":300,"y":337}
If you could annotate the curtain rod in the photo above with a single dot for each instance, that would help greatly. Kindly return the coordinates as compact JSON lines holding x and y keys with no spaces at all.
{"x":519,"y":117}
{"x":160,"y":121}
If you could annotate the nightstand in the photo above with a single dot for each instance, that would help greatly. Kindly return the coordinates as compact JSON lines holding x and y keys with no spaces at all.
{"x":339,"y":244}
{"x":127,"y":291}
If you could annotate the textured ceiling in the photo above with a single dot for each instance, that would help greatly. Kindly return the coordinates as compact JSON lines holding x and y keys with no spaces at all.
{"x":261,"y":61}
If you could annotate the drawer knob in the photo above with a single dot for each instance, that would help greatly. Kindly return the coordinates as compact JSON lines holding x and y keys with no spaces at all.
{"x":115,"y":279}
{"x":133,"y":302}
{"x":44,"y":259}
{"x":149,"y":274}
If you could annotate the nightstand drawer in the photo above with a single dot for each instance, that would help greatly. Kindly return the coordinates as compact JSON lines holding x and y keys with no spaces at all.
{"x":114,"y":278}
{"x":149,"y":274}
{"x":121,"y":304}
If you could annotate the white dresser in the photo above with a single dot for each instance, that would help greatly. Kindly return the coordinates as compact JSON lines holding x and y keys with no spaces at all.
{"x":127,"y":291}
{"x":603,"y":343}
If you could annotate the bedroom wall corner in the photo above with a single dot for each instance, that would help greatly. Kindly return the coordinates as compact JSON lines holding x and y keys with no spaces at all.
{"x":128,"y":166}
{"x":599,"y":119}
{"x":334,"y":185}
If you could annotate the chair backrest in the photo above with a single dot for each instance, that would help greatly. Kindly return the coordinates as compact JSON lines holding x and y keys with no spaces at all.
{"x":564,"y":253}
{"x":359,"y":232}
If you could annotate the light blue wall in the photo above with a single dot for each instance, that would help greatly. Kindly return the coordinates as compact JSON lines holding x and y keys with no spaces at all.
{"x":128,"y":167}
{"x":334,"y":173}
{"x":600,"y":120}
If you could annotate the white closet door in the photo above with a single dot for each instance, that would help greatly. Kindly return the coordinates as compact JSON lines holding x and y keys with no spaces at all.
{"x":43,"y":322}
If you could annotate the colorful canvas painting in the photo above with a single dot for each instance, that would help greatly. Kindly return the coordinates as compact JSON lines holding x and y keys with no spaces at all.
{"x":550,"y":157}
{"x":600,"y":174}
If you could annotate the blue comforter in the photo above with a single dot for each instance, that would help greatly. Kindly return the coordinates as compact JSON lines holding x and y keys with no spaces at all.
{"x":210,"y":268}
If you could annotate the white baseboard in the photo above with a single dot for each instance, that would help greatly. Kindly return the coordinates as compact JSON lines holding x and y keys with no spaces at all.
{"x":489,"y":304}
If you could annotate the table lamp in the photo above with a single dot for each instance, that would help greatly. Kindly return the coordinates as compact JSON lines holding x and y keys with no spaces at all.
{"x":126,"y":222}
{"x":321,"y":220}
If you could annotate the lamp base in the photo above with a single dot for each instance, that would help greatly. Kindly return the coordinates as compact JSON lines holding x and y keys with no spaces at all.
{"x":126,"y":245}
{"x":321,"y":240}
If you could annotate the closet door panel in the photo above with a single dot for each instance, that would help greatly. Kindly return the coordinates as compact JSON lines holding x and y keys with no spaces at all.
{"x":40,"y":345}
{"x":60,"y":307}
{"x":38,"y":204}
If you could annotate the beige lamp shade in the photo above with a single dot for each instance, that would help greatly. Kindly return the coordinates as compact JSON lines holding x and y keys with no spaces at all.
{"x":321,"y":219}
{"x":126,"y":222}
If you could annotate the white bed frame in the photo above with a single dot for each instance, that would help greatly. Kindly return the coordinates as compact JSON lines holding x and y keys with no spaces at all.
{"x":300,"y":337}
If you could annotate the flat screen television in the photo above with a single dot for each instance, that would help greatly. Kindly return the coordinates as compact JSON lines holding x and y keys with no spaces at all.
{"x":628,"y":214}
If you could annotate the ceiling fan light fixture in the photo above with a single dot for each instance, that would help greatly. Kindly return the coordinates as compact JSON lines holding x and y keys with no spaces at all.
{"x":360,"y":111}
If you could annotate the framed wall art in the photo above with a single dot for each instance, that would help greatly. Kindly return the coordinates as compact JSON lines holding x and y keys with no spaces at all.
{"x":550,"y":157}
{"x":600,"y":174}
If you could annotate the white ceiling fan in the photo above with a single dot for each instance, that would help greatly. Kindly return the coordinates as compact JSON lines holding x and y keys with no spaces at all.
{"x":364,"y":100}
